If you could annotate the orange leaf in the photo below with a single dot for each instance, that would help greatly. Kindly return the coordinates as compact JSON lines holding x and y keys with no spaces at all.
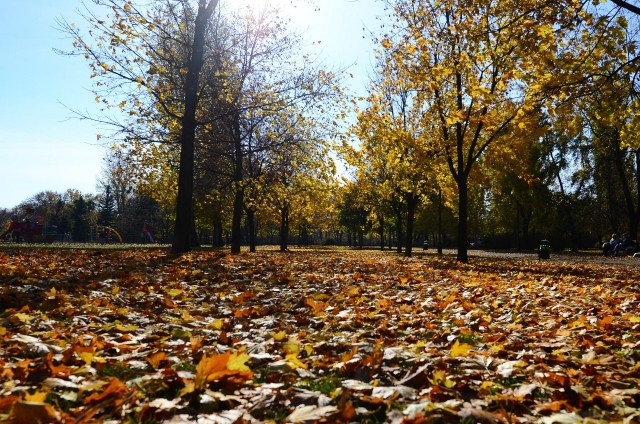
{"x":60,"y":371}
{"x":116,"y":388}
{"x":604,"y":322}
{"x":313,"y":304}
{"x":157,"y":359}
{"x":346,"y":357}
{"x":347,"y":411}
{"x":216,"y":367}
{"x":552,"y":406}
{"x":210,"y":368}
{"x":242,"y":313}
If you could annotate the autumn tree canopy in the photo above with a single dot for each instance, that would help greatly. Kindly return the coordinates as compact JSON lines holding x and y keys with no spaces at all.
{"x":453,"y":120}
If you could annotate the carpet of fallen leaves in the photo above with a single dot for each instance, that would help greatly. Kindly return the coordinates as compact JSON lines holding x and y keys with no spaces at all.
{"x":142,"y":337}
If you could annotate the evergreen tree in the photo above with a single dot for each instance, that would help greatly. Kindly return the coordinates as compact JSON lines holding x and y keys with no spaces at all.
{"x":106,"y":209}
{"x":80,"y":219}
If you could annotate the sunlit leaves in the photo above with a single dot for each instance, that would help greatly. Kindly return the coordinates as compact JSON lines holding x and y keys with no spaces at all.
{"x":216,"y":367}
{"x":336,"y":335}
{"x":460,"y":349}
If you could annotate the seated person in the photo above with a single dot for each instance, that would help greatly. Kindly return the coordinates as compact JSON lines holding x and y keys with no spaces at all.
{"x":624,"y":246}
{"x":608,"y":247}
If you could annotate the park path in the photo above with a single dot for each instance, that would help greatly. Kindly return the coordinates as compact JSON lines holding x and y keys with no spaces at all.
{"x":567,"y":257}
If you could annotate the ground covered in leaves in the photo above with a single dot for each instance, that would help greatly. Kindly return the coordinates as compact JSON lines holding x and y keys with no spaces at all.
{"x":141,"y":336}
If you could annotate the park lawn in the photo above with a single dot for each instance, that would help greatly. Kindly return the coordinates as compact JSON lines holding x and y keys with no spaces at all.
{"x":141,"y":336}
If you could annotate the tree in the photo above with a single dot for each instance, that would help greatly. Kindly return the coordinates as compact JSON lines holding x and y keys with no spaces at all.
{"x":352,"y":215}
{"x":154,"y":56}
{"x":106,"y":208}
{"x":476,"y":67}
{"x":267,"y":91}
{"x":607,"y":114}
{"x":298,"y":173}
{"x":184,"y":212}
{"x":118,"y":175}
{"x":397,"y":153}
{"x":630,"y":7}
{"x":82,"y":219}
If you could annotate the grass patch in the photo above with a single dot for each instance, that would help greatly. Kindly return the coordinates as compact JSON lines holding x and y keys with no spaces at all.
{"x":121,"y":371}
{"x":325,"y":385}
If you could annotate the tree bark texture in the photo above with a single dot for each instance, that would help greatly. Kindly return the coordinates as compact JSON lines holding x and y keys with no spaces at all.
{"x":182,"y":234}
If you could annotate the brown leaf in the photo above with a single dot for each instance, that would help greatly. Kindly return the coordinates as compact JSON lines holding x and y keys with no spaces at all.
{"x":25,"y":412}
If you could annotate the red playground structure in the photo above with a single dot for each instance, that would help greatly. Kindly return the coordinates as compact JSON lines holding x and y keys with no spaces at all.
{"x":29,"y":229}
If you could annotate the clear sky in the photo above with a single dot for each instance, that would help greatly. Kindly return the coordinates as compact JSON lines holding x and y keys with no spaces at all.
{"x":43,"y":148}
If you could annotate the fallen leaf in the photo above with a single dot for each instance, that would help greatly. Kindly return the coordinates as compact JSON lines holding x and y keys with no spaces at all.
{"x":311,"y":413}
{"x":460,"y":349}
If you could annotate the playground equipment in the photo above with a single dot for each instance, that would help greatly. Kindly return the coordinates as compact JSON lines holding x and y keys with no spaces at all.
{"x":105,"y":233}
{"x":147,"y":232}
{"x":30,"y":230}
{"x":25,"y":230}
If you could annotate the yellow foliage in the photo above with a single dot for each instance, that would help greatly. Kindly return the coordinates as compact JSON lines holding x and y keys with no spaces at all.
{"x":460,"y":349}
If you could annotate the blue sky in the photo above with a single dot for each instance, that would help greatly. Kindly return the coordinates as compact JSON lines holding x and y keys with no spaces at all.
{"x":43,"y":148}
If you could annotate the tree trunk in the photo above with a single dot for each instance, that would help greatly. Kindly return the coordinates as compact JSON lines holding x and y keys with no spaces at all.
{"x":218,"y":240}
{"x":440,"y":207}
{"x":399,"y":229}
{"x":629,"y":201}
{"x":251,"y":227}
{"x":463,"y":211}
{"x":182,"y":238}
{"x":525,"y":214}
{"x":238,"y":177}
{"x":517,"y":226}
{"x":236,"y":221}
{"x":195,"y":239}
{"x":381,"y":222}
{"x":412,"y":201}
{"x":633,"y":226}
{"x":284,"y":228}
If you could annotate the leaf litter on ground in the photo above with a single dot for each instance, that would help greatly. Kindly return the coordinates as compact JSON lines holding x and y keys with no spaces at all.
{"x":315,"y":336}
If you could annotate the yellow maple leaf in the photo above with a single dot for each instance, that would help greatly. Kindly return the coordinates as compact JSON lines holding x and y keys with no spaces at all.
{"x":90,"y":358}
{"x":439,"y":378}
{"x":186,"y":317}
{"x":294,"y":362}
{"x":23,"y":318}
{"x":292,"y":346}
{"x":36,"y":397}
{"x":125,"y":329}
{"x":460,"y":349}
{"x":216,"y":324}
{"x":279,"y":336}
{"x":353,"y":291}
{"x":215,"y":367}
{"x":237,"y":362}
{"x":175,"y":292}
